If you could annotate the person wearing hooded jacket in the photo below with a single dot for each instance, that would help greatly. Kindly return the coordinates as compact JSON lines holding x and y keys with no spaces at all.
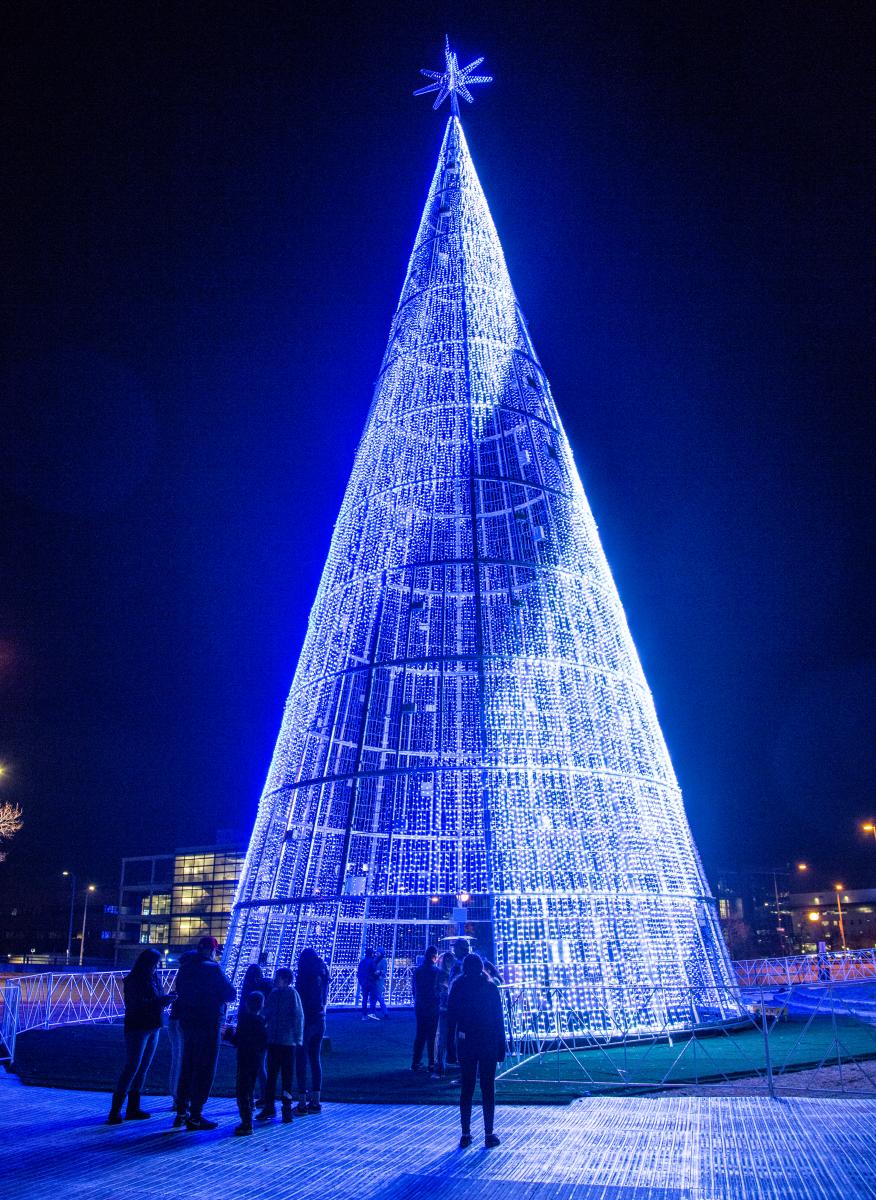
{"x":145,"y":1002}
{"x":475,"y":1007}
{"x":202,"y":992}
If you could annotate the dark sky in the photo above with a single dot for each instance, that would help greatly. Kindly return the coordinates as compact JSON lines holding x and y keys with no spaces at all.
{"x":209,"y":213}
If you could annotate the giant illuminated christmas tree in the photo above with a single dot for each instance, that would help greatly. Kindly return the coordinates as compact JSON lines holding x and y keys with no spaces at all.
{"x":469,"y":741}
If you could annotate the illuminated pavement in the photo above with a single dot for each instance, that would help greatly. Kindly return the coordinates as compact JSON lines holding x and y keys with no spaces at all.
{"x":53,"y":1144}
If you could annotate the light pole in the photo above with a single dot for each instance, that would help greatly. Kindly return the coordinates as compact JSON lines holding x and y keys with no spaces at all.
{"x":72,"y":879}
{"x":88,"y":892}
{"x":838,"y":887}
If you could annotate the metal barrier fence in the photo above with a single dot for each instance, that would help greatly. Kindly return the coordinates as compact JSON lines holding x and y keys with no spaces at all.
{"x":847,"y":966}
{"x":805,"y":1038}
{"x":803,"y":1024}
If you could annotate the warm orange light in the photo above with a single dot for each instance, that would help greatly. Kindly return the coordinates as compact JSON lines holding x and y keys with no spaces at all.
{"x":868,"y":827}
{"x":802,"y":866}
{"x":92,"y":887}
{"x":837,"y":887}
{"x":434,"y":899}
{"x":814,"y":916}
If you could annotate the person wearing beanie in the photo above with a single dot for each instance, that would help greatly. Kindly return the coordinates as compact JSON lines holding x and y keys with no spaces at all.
{"x":202,"y":992}
{"x":475,"y":1007}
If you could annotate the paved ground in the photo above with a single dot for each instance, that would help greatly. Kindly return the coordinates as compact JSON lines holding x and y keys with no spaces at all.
{"x":668,"y":1148}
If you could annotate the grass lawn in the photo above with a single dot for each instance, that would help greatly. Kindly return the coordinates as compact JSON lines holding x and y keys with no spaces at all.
{"x":369,"y":1061}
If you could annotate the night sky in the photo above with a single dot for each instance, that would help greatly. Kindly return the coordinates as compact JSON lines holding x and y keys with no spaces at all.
{"x":209,"y":213}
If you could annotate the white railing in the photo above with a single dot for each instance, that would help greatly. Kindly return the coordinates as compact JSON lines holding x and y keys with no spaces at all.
{"x":846,"y":966}
{"x":68,"y":998}
{"x":52,"y":998}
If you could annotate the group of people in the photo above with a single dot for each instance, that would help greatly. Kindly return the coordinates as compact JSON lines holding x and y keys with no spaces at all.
{"x":279,"y":1032}
{"x":459,"y":1021}
{"x":281,"y":1025}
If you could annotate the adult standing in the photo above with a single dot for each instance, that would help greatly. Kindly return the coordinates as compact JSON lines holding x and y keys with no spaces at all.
{"x":203,"y":990}
{"x":311,"y":984}
{"x":475,"y":1007}
{"x":445,"y":966}
{"x":380,"y":969}
{"x":426,"y":982}
{"x":144,"y":1006}
{"x":365,"y":978}
{"x":461,"y":950}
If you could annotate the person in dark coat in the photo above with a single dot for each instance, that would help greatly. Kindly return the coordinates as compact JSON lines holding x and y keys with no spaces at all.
{"x":461,"y":950}
{"x":426,"y":981}
{"x":475,"y":1007}
{"x":202,"y":990}
{"x":145,"y":1002}
{"x":367,"y":984}
{"x":251,"y":1039}
{"x":254,"y":980}
{"x":284,"y":1018}
{"x":311,"y":984}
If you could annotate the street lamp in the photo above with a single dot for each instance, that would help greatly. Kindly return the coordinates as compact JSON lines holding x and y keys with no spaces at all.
{"x":838,"y":887}
{"x":72,"y":879}
{"x":91,"y":888}
{"x":869,"y":827}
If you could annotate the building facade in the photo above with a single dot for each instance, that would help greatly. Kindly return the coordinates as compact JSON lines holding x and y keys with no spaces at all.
{"x":843,"y":920}
{"x":168,"y":901}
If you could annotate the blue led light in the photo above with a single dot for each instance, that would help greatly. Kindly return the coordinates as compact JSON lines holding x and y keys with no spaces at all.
{"x":453,"y":81}
{"x":469,"y":717}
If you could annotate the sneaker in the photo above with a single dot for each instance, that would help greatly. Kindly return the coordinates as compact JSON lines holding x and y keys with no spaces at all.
{"x":179,"y":1120}
{"x":437,"y":1075}
{"x":113,"y":1119}
{"x":194,"y":1124}
{"x":465,"y":1141}
{"x":242,"y":1130}
{"x":287,"y":1116}
{"x":372,"y":1017}
{"x":491,"y":1140}
{"x":314,"y":1106}
{"x":137,"y":1114}
{"x":416,"y":1066}
{"x":266,"y":1114}
{"x":301,"y":1108}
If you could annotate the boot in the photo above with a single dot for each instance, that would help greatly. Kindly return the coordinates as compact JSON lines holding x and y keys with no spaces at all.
{"x":134,"y":1112}
{"x":314,"y":1105}
{"x":115,"y":1112}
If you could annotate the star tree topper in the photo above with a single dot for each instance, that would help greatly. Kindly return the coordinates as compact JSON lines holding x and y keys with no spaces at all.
{"x":454,"y":81}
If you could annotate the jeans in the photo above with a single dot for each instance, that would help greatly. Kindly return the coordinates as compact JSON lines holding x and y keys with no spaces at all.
{"x":473,"y":1065}
{"x":200,"y":1050}
{"x":139,"y":1050}
{"x":175,"y":1037}
{"x":280,"y":1058}
{"x":247,"y":1071}
{"x":309,"y":1051}
{"x":441,"y":1043}
{"x":368,"y":997}
{"x":377,"y":1001}
{"x":427,"y":1027}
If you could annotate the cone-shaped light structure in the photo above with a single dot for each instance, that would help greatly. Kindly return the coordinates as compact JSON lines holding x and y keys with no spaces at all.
{"x":469,"y":742}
